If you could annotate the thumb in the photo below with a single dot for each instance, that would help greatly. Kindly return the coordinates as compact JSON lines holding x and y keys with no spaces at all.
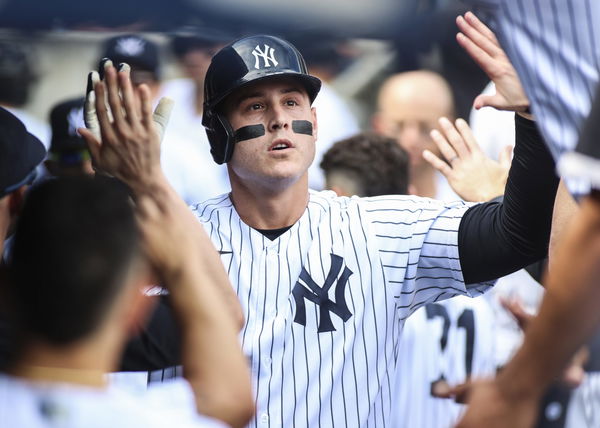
{"x":161,"y":116}
{"x":505,"y":156}
{"x":486,"y":101}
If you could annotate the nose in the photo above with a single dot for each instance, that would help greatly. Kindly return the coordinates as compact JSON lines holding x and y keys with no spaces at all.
{"x":410,"y":136}
{"x":278,"y":118}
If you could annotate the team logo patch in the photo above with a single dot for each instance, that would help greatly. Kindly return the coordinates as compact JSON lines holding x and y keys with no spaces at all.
{"x":130,"y":46}
{"x":267,"y":54}
{"x":75,"y":120}
{"x":307,"y":289}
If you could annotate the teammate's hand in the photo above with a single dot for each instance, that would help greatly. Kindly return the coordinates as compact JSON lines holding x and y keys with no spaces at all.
{"x":481,"y":44}
{"x":471,"y":174}
{"x":124,"y":136}
{"x":574,"y":374}
{"x":490,"y":406}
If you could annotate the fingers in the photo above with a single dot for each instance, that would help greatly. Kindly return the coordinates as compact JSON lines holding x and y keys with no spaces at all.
{"x":114,"y":99}
{"x":437,"y":163}
{"x":144,"y":94}
{"x":479,"y":34}
{"x":484,"y":101}
{"x":480,"y":56}
{"x":472,"y":19}
{"x":89,"y":106}
{"x":127,"y":91}
{"x":454,"y":138}
{"x":161,"y":115}
{"x":92,"y":141}
{"x":467,"y":135}
{"x":106,"y":129}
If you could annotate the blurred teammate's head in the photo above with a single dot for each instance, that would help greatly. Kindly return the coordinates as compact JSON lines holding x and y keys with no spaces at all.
{"x":16,"y":75}
{"x":366,"y":165}
{"x":408,"y":108}
{"x":20,"y":154}
{"x":194,"y":50}
{"x":141,"y":54}
{"x":76,"y":247}
{"x":68,"y":154}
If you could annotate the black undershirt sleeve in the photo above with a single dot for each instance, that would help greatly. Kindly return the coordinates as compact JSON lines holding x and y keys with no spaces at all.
{"x":158,"y":345}
{"x":497,"y":238}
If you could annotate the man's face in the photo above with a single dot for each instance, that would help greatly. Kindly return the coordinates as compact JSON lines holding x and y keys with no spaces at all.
{"x":280,"y":155}
{"x":408,"y":110}
{"x":411,"y":126}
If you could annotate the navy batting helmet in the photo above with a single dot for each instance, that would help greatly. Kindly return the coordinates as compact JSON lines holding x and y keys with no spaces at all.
{"x":242,"y":62}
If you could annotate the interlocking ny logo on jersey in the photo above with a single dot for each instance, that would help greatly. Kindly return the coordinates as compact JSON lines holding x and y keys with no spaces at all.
{"x":319,"y":295}
{"x":267,"y":54}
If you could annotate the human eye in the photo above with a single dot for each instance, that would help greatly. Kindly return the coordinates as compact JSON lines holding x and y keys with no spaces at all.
{"x":291,"y":103}
{"x":255,"y":106}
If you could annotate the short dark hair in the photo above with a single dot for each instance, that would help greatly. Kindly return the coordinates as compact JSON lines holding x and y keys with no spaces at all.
{"x":377,"y":164}
{"x":74,"y":244}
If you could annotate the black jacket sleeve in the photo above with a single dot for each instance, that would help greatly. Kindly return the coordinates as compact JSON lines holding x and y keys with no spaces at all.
{"x":497,"y":238}
{"x":158,"y":345}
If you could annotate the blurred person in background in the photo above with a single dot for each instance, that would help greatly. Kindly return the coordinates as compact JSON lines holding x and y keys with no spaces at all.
{"x":366,"y":164}
{"x":20,"y":155}
{"x":17,"y":77}
{"x":68,"y":154}
{"x":184,"y":153}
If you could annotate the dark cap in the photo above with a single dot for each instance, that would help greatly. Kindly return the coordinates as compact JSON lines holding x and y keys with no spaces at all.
{"x":198,"y":38}
{"x":20,"y":153}
{"x":65,"y":118}
{"x":138,"y":52}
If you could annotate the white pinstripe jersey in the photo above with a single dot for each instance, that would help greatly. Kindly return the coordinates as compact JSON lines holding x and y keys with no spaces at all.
{"x":449,"y":340}
{"x":555,"y":47}
{"x":325,"y":302}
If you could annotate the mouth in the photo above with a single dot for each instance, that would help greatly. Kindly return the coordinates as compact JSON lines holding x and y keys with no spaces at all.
{"x":281,"y":144}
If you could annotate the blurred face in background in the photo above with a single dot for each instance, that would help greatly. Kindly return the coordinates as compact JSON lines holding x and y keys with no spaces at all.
{"x":409,"y":106}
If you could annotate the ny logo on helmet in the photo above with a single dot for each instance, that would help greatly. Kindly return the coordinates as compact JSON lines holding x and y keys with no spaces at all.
{"x":267,"y":54}
{"x":320,"y":295}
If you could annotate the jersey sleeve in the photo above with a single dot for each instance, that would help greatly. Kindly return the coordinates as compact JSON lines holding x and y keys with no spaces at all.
{"x":417,"y":240}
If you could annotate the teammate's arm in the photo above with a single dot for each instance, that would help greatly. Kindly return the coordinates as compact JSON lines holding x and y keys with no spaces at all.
{"x":495,"y":239}
{"x":212,"y":359}
{"x":129,"y":149}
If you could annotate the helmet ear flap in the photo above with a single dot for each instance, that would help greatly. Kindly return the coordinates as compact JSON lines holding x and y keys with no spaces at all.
{"x":220,"y":135}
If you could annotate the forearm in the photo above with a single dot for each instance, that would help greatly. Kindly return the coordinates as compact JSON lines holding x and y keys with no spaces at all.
{"x":212,"y":359}
{"x":570,"y":311}
{"x":497,"y":239}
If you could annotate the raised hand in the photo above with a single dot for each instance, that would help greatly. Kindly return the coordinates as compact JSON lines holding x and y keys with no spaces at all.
{"x":471,"y":174}
{"x":124,"y":136}
{"x":481,"y":44}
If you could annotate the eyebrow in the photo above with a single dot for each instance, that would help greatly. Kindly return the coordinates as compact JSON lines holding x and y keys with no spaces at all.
{"x":256,"y":94}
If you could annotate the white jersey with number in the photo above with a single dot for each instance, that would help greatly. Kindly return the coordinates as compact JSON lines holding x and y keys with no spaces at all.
{"x":325,"y":302}
{"x":447,"y":342}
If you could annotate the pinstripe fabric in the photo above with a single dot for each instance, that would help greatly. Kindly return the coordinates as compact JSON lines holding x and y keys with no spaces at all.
{"x":555,"y":47}
{"x":401,"y":253}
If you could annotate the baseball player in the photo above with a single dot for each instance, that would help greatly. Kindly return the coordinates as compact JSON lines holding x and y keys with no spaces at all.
{"x":325,"y":282}
{"x":443,"y":343}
